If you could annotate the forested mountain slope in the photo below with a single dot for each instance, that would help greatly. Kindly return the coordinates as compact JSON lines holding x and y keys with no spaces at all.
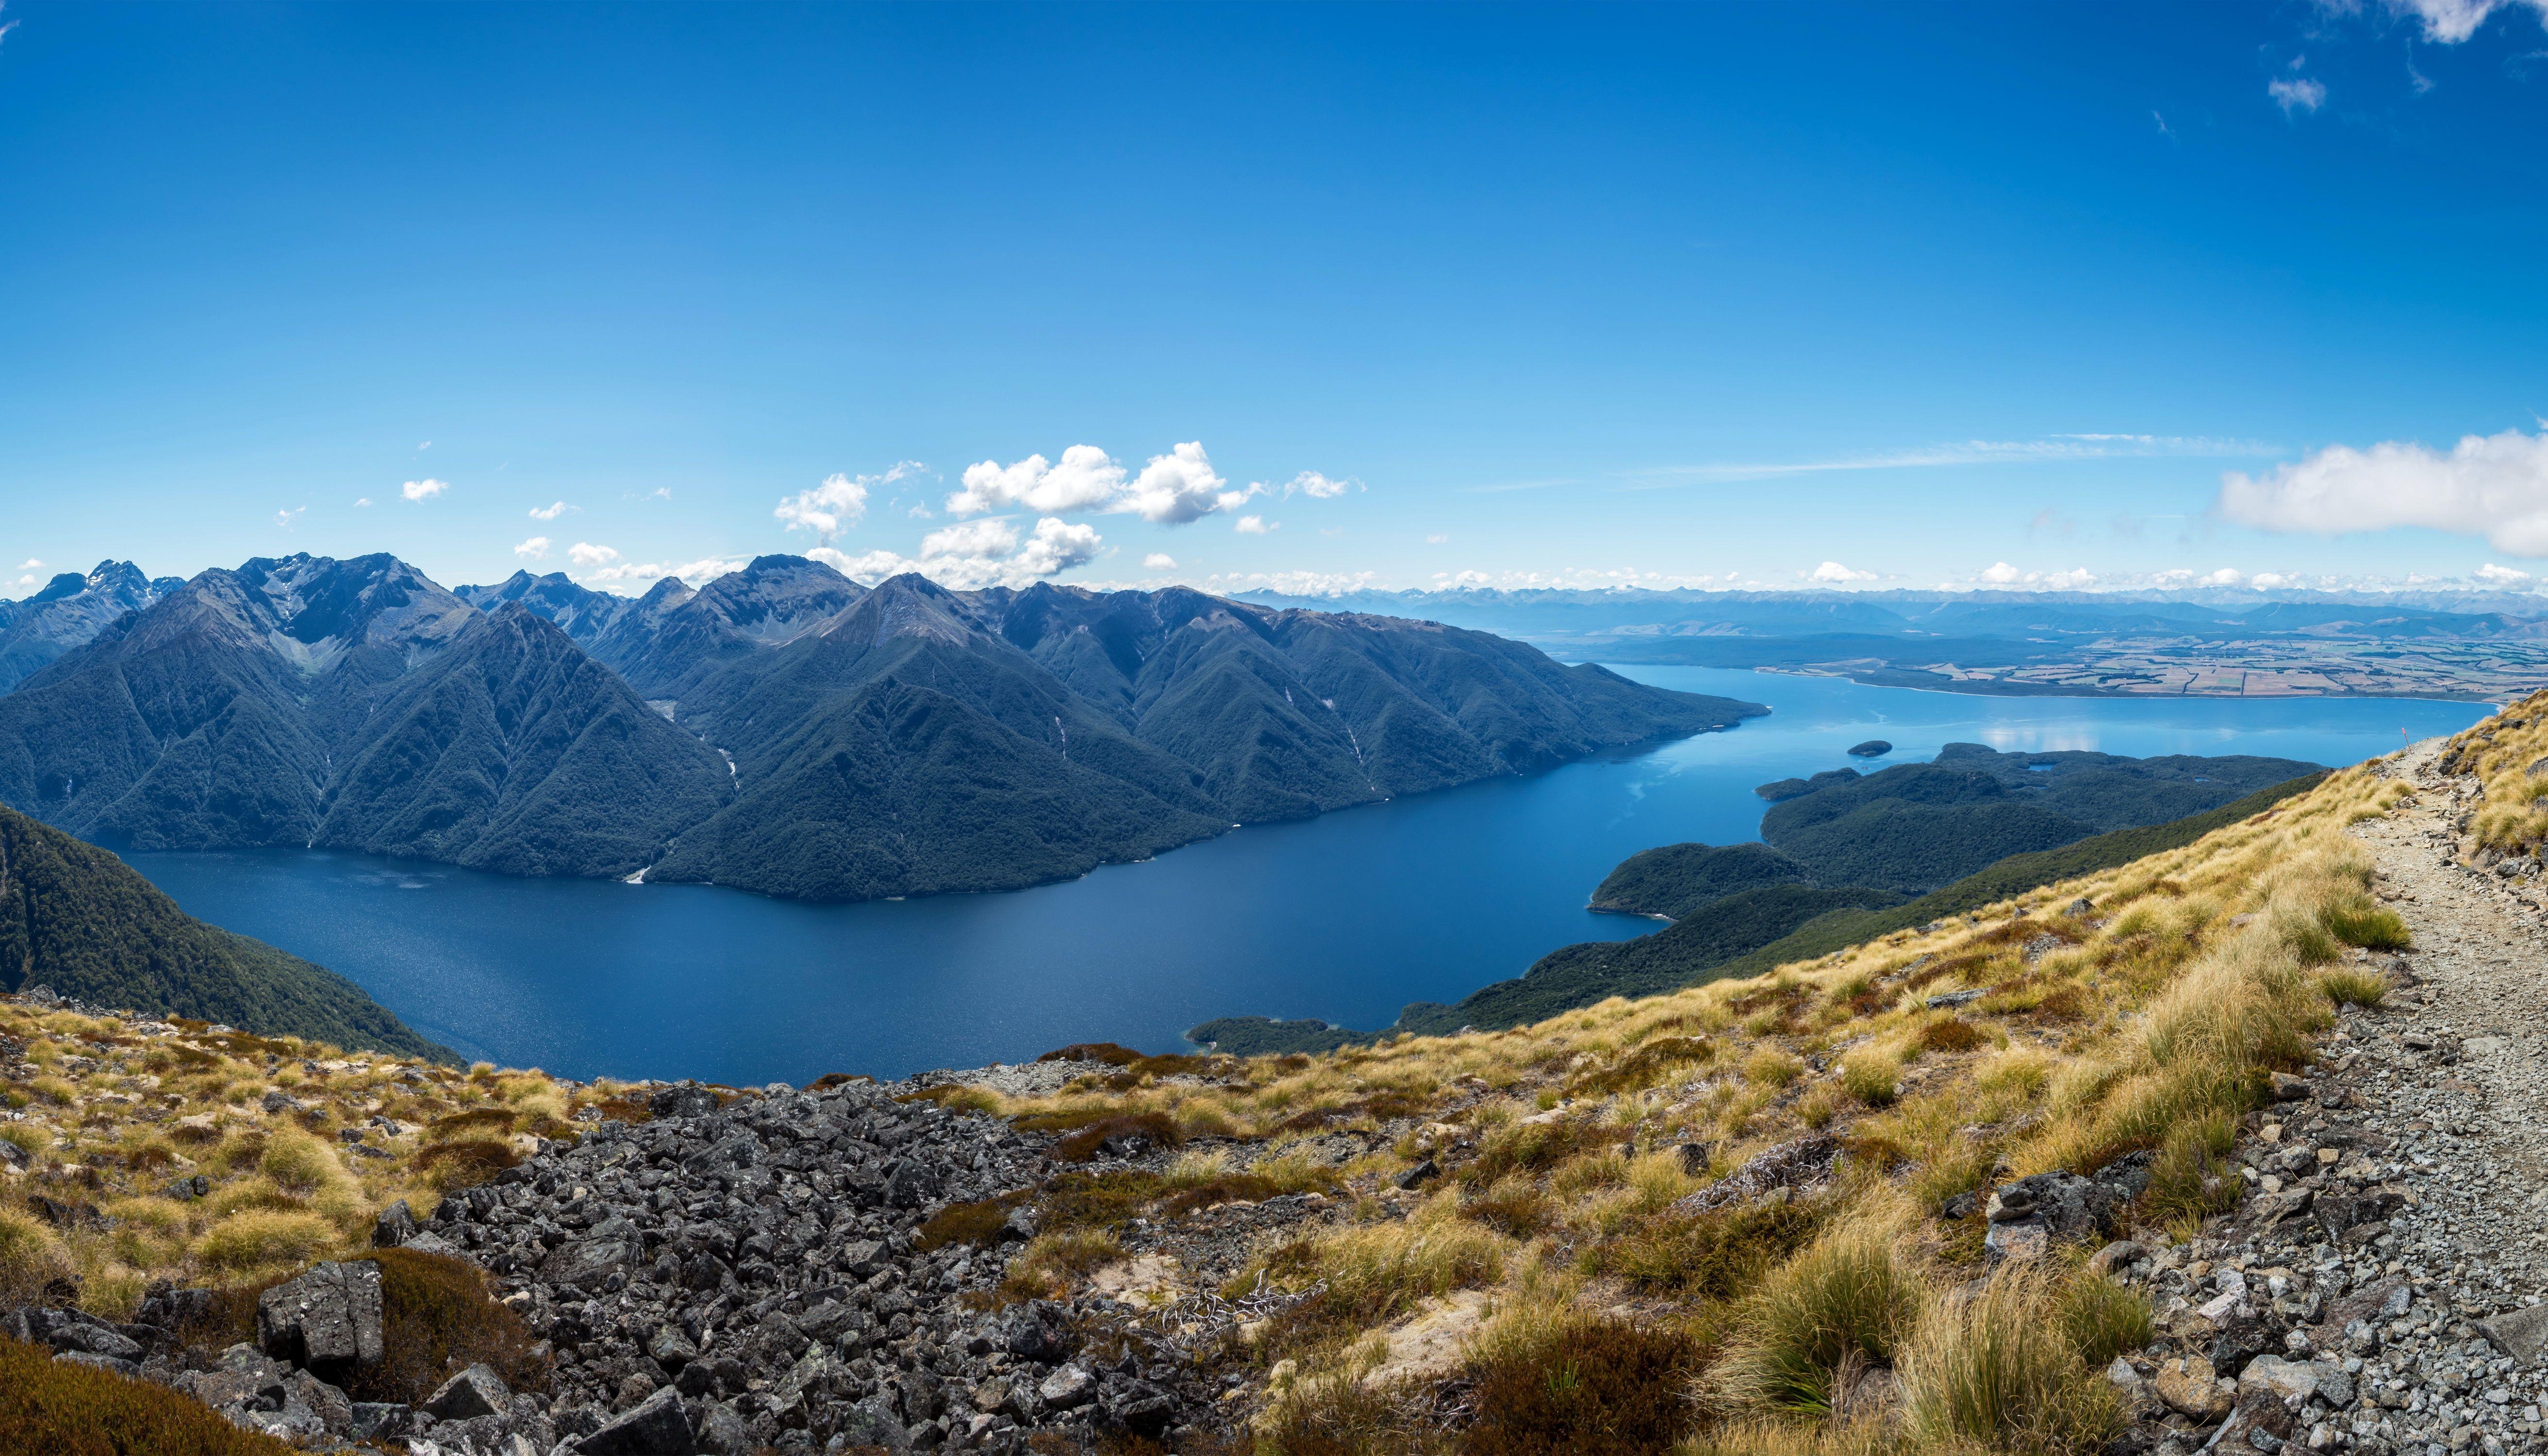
{"x":929,"y":740}
{"x":512,"y":751}
{"x":76,"y":918}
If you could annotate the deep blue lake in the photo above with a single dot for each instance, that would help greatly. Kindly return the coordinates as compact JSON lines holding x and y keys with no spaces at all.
{"x":1346,"y":917}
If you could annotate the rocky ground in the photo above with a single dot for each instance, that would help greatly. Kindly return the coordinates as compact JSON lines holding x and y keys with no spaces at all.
{"x":2379,"y":1289}
{"x":739,"y":1277}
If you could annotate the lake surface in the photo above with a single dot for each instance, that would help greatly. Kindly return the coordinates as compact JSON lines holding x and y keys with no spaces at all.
{"x":1345,"y":917}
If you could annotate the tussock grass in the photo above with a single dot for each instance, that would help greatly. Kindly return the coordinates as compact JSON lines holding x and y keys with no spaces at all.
{"x":1998,"y":1370}
{"x":1848,"y":1299}
{"x":2353,"y":987}
{"x":30,"y":1257}
{"x":255,"y":1239}
{"x":1597,"y":1385}
{"x":2102,"y":1319}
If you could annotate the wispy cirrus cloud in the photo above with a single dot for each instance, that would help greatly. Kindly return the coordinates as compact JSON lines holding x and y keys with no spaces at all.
{"x":2043,"y":449}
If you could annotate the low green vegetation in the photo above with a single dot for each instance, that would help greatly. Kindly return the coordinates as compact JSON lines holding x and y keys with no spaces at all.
{"x":1676,"y":880}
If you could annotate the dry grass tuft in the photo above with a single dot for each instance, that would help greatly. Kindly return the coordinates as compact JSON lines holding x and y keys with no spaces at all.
{"x":1998,"y":1370}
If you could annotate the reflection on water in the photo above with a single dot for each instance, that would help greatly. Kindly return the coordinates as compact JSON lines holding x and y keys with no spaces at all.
{"x":1345,"y":917}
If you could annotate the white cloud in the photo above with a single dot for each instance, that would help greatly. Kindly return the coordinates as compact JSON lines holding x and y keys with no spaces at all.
{"x":2291,"y":95}
{"x":1254,"y":525}
{"x":1158,"y":561}
{"x":1833,"y":571}
{"x":977,"y":554}
{"x":2495,"y":486}
{"x":2449,"y":21}
{"x":1055,"y":547}
{"x":2228,"y":576}
{"x":1087,"y":478}
{"x":363,"y":502}
{"x":2267,"y":581}
{"x":634,"y":576}
{"x":1311,"y":484}
{"x":1436,"y":538}
{"x":30,"y":564}
{"x":2499,"y":575}
{"x":1298,"y":584}
{"x":973,"y":538}
{"x":586,"y":555}
{"x":7,"y":26}
{"x":423,"y":489}
{"x":839,"y":501}
{"x":1180,"y":487}
{"x":827,"y":509}
{"x":536,"y":548}
{"x":283,"y":518}
{"x":552,"y":512}
{"x":425,"y":445}
{"x":2001,"y":574}
{"x":1172,"y":489}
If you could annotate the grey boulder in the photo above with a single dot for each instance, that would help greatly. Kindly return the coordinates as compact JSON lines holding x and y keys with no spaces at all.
{"x":474,"y":1392}
{"x":327,"y":1321}
{"x":659,"y":1426}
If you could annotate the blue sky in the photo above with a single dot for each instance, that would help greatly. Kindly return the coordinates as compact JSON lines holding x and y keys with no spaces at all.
{"x":1930,"y":293}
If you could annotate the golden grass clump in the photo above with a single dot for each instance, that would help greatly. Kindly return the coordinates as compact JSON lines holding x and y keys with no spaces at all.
{"x":255,"y":1239}
{"x":30,"y":1257}
{"x":1848,"y":1299}
{"x":1998,"y":1370}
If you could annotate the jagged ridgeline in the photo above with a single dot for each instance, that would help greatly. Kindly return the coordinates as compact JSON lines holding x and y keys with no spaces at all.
{"x":74,"y":918}
{"x":783,"y":729}
{"x":1849,"y":858}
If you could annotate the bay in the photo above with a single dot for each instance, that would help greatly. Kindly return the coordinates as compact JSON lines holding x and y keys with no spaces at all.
{"x":1346,"y":917}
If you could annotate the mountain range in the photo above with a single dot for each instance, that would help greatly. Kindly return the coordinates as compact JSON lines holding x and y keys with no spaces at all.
{"x":781,"y":729}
